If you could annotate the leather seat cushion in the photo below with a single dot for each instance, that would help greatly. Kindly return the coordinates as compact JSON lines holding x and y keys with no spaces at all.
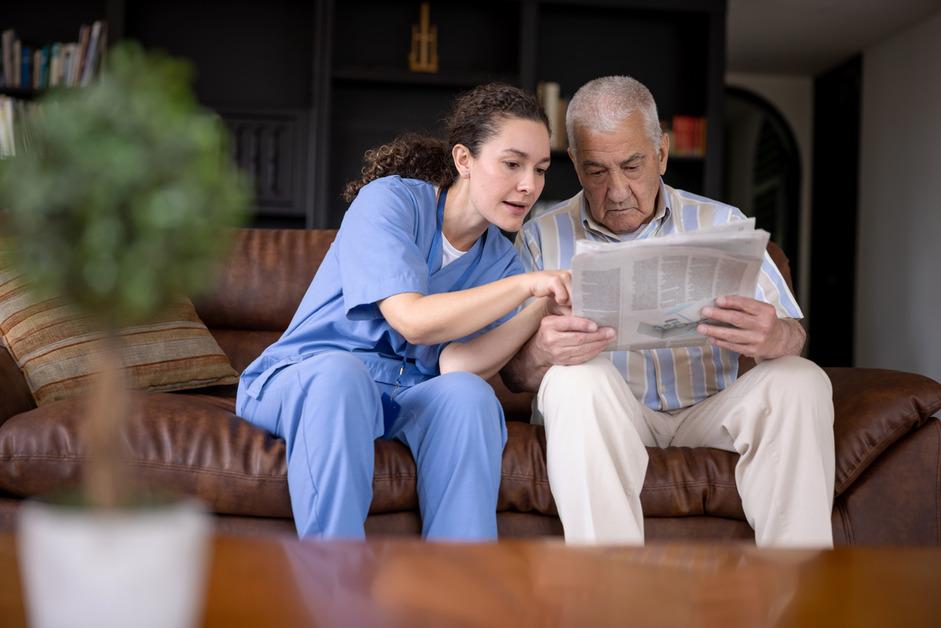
{"x":194,"y":444}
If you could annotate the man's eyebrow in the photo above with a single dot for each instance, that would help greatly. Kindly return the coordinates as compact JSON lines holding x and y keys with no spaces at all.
{"x":523,"y":154}
{"x":589,"y":163}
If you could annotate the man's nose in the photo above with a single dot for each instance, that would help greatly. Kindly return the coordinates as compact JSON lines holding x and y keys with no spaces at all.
{"x":619,"y":189}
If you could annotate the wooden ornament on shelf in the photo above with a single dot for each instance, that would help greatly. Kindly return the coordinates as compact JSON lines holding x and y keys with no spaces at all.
{"x":424,"y":54}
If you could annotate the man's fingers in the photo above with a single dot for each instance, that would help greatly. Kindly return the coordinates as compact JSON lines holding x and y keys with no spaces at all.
{"x":569,"y":339}
{"x":745,"y":304}
{"x":586,"y":352}
{"x":746,"y":350}
{"x":728,"y":334}
{"x":736,"y":318}
{"x":571,"y":323}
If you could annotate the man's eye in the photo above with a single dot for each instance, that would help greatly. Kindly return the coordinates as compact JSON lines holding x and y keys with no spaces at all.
{"x":596,"y":173}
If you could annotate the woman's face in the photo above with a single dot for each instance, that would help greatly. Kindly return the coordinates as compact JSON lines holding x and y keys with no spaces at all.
{"x":509,"y":172}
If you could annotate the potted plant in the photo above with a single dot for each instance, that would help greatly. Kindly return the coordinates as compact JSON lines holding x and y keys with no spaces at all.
{"x":120,"y":204}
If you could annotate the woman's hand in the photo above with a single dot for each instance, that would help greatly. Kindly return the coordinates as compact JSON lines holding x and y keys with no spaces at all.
{"x":555,"y":284}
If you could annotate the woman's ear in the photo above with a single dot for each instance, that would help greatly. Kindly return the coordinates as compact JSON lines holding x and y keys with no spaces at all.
{"x":462,"y":159}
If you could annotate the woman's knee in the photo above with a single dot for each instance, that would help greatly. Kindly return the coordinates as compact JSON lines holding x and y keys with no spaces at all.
{"x":338,"y":369}
{"x":337,"y":395}
{"x":469,"y":402}
{"x":468,"y":387}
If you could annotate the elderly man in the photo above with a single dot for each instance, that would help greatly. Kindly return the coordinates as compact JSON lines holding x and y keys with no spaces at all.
{"x":601,"y":410}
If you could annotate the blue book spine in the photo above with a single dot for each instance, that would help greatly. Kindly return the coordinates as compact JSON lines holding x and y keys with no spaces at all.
{"x":25,"y":61}
{"x":43,"y":68}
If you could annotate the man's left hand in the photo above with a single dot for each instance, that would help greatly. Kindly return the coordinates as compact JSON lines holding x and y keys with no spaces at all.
{"x":756,"y":331}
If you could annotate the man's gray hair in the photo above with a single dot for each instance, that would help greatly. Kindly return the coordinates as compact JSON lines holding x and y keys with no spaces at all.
{"x":604,"y":103}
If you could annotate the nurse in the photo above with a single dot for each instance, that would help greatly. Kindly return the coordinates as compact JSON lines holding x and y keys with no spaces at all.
{"x":410,"y":311}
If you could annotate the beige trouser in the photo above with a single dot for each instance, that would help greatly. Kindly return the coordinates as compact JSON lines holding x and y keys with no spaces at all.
{"x":777,"y":416}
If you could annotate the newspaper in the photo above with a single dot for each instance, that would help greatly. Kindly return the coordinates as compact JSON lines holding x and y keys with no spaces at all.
{"x":652,"y":291}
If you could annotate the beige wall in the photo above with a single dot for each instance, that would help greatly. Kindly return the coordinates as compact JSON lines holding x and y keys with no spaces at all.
{"x":898,"y":284}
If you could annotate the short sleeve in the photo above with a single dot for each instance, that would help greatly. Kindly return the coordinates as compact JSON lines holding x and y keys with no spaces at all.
{"x":773,"y":289}
{"x":377,"y":247}
{"x":771,"y":286}
{"x":528,"y":249}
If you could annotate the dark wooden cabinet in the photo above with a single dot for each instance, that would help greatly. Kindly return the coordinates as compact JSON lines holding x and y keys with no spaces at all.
{"x":307,"y":86}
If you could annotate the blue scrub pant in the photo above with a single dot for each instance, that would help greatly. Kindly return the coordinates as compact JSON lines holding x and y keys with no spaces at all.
{"x":327,"y":408}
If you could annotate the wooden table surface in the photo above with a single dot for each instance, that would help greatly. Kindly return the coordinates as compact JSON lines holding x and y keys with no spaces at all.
{"x":283,"y":582}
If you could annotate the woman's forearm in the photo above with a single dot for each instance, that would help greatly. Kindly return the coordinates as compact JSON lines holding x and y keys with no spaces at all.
{"x":446,"y":316}
{"x":486,"y":354}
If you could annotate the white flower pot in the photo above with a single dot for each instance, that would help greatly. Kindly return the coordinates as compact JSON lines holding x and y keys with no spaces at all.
{"x":142,"y":567}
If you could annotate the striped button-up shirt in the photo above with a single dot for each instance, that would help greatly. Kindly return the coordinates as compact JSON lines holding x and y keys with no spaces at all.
{"x":664,"y":379}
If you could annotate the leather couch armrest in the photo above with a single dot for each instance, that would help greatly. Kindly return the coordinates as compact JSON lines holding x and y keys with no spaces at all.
{"x":874,"y":408}
{"x":14,"y":393}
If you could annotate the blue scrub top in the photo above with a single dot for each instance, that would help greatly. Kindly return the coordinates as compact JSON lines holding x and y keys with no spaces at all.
{"x":385,"y":246}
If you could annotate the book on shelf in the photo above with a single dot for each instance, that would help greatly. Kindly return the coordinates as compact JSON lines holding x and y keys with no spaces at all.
{"x":14,"y":135}
{"x":97,"y":46}
{"x":6,"y":40}
{"x":38,"y":67}
{"x":687,"y":136}
{"x":547,"y":92}
{"x":17,"y":62}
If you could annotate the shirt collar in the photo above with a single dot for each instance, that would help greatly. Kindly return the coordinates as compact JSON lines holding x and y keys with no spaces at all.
{"x":599,"y":231}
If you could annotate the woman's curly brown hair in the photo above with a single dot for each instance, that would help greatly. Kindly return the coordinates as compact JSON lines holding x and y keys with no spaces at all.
{"x":475,"y":117}
{"x":411,"y":156}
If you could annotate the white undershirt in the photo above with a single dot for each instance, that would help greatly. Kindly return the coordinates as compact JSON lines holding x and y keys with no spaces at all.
{"x":449,"y":252}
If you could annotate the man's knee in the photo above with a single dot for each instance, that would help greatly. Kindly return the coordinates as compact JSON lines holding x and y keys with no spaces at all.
{"x":796,"y":375}
{"x":797,"y":382}
{"x":580,"y":381}
{"x":586,"y":398}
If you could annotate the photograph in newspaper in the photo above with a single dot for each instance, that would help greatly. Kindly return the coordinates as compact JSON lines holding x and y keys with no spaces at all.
{"x":652,"y":291}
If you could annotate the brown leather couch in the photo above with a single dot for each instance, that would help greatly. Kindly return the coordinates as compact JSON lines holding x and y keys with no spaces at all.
{"x":888,"y":446}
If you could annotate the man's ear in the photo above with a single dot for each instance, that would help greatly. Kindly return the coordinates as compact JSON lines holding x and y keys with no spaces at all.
{"x":664,"y":152}
{"x":462,"y":159}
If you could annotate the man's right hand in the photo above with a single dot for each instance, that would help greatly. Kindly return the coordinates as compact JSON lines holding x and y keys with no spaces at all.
{"x":568,"y":340}
{"x":561,"y":339}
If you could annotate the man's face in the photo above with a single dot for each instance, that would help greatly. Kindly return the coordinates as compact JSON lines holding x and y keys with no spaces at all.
{"x":620,"y":173}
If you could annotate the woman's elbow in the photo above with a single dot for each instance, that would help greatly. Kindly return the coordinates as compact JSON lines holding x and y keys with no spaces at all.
{"x":416,"y":335}
{"x":413,"y":331}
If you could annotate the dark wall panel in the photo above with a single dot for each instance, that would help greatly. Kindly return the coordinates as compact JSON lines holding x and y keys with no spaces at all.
{"x":247,"y":53}
{"x":837,"y":97}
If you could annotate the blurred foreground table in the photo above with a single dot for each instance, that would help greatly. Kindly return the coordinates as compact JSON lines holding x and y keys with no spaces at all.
{"x":285,"y":582}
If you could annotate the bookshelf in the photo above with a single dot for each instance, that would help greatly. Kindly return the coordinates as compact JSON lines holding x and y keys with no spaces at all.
{"x":34,"y":58}
{"x":306,"y":86}
{"x":20,"y":93}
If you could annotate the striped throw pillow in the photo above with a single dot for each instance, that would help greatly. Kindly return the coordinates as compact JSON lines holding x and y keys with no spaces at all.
{"x":53,"y":346}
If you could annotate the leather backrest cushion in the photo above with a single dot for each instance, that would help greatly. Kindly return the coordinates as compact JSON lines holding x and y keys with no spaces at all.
{"x":266,"y":275}
{"x":268,"y":272}
{"x":264,"y":278}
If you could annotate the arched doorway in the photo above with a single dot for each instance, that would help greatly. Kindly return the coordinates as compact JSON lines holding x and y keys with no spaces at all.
{"x":762,"y":168}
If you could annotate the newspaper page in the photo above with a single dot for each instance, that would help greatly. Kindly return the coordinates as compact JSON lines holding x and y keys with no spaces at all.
{"x":652,"y":291}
